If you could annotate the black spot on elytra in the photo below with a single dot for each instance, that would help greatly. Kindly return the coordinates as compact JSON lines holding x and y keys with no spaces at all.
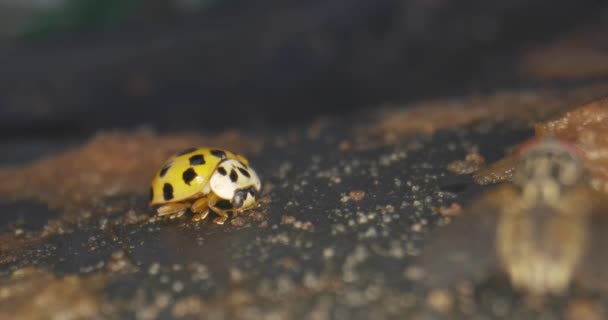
{"x":251,"y":192}
{"x":189,"y":175}
{"x":197,"y":159}
{"x":244,"y":172}
{"x":244,"y":165}
{"x":168,"y":191}
{"x":151,"y":193}
{"x":223,"y":205}
{"x":222,"y":171}
{"x":233,"y":176}
{"x":186,"y":151}
{"x":219,"y":153}
{"x":166,"y":167}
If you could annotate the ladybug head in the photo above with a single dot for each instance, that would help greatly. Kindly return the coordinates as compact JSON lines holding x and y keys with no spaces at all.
{"x":236,"y":182}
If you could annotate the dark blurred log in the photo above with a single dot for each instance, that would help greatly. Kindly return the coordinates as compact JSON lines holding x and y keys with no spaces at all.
{"x":272,"y":60}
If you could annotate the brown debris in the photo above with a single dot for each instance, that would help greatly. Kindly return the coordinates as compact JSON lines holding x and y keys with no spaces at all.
{"x":301,"y":225}
{"x":414,"y":273}
{"x":132,"y":217}
{"x":34,"y":294}
{"x":345,"y":146}
{"x":238,"y":304}
{"x":315,"y":130}
{"x":472,"y":162}
{"x":454,"y":209}
{"x":111,"y":163}
{"x":242,"y":219}
{"x":188,"y":306}
{"x":238,"y":221}
{"x":498,"y":171}
{"x":289,"y":263}
{"x":10,"y":242}
{"x":586,"y":127}
{"x":394,"y":125}
{"x":257,"y":216}
{"x":440,"y":300}
{"x":356,"y":195}
{"x":285,"y":219}
{"x":306,"y":226}
{"x":584,"y":309}
{"x":120,"y":262}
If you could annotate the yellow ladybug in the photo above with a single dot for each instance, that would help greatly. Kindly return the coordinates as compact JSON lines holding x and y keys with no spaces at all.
{"x":203,"y":179}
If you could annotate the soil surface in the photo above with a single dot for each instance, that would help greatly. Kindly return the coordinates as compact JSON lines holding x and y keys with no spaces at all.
{"x":348,"y":205}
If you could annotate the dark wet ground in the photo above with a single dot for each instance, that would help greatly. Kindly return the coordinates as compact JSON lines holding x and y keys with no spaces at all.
{"x":311,"y":250}
{"x":350,"y":202}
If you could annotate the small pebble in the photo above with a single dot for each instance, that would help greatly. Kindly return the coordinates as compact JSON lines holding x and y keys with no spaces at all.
{"x":440,"y":300}
{"x":356,"y":195}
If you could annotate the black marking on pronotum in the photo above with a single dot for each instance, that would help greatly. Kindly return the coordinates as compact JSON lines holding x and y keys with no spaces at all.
{"x":189,"y":175}
{"x":168,"y":191}
{"x":244,"y":172}
{"x":233,"y":176}
{"x":223,"y":205}
{"x":197,"y":159}
{"x":166,"y":167}
{"x":186,"y":151}
{"x":219,"y":153}
{"x":222,"y":171}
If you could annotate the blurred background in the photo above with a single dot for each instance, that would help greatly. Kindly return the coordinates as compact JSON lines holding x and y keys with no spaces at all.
{"x":71,"y":67}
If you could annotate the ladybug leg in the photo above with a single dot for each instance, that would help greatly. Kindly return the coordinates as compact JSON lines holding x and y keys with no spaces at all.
{"x":223,"y":216}
{"x":200,"y":208}
{"x":173,"y":210}
{"x":222,"y":213}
